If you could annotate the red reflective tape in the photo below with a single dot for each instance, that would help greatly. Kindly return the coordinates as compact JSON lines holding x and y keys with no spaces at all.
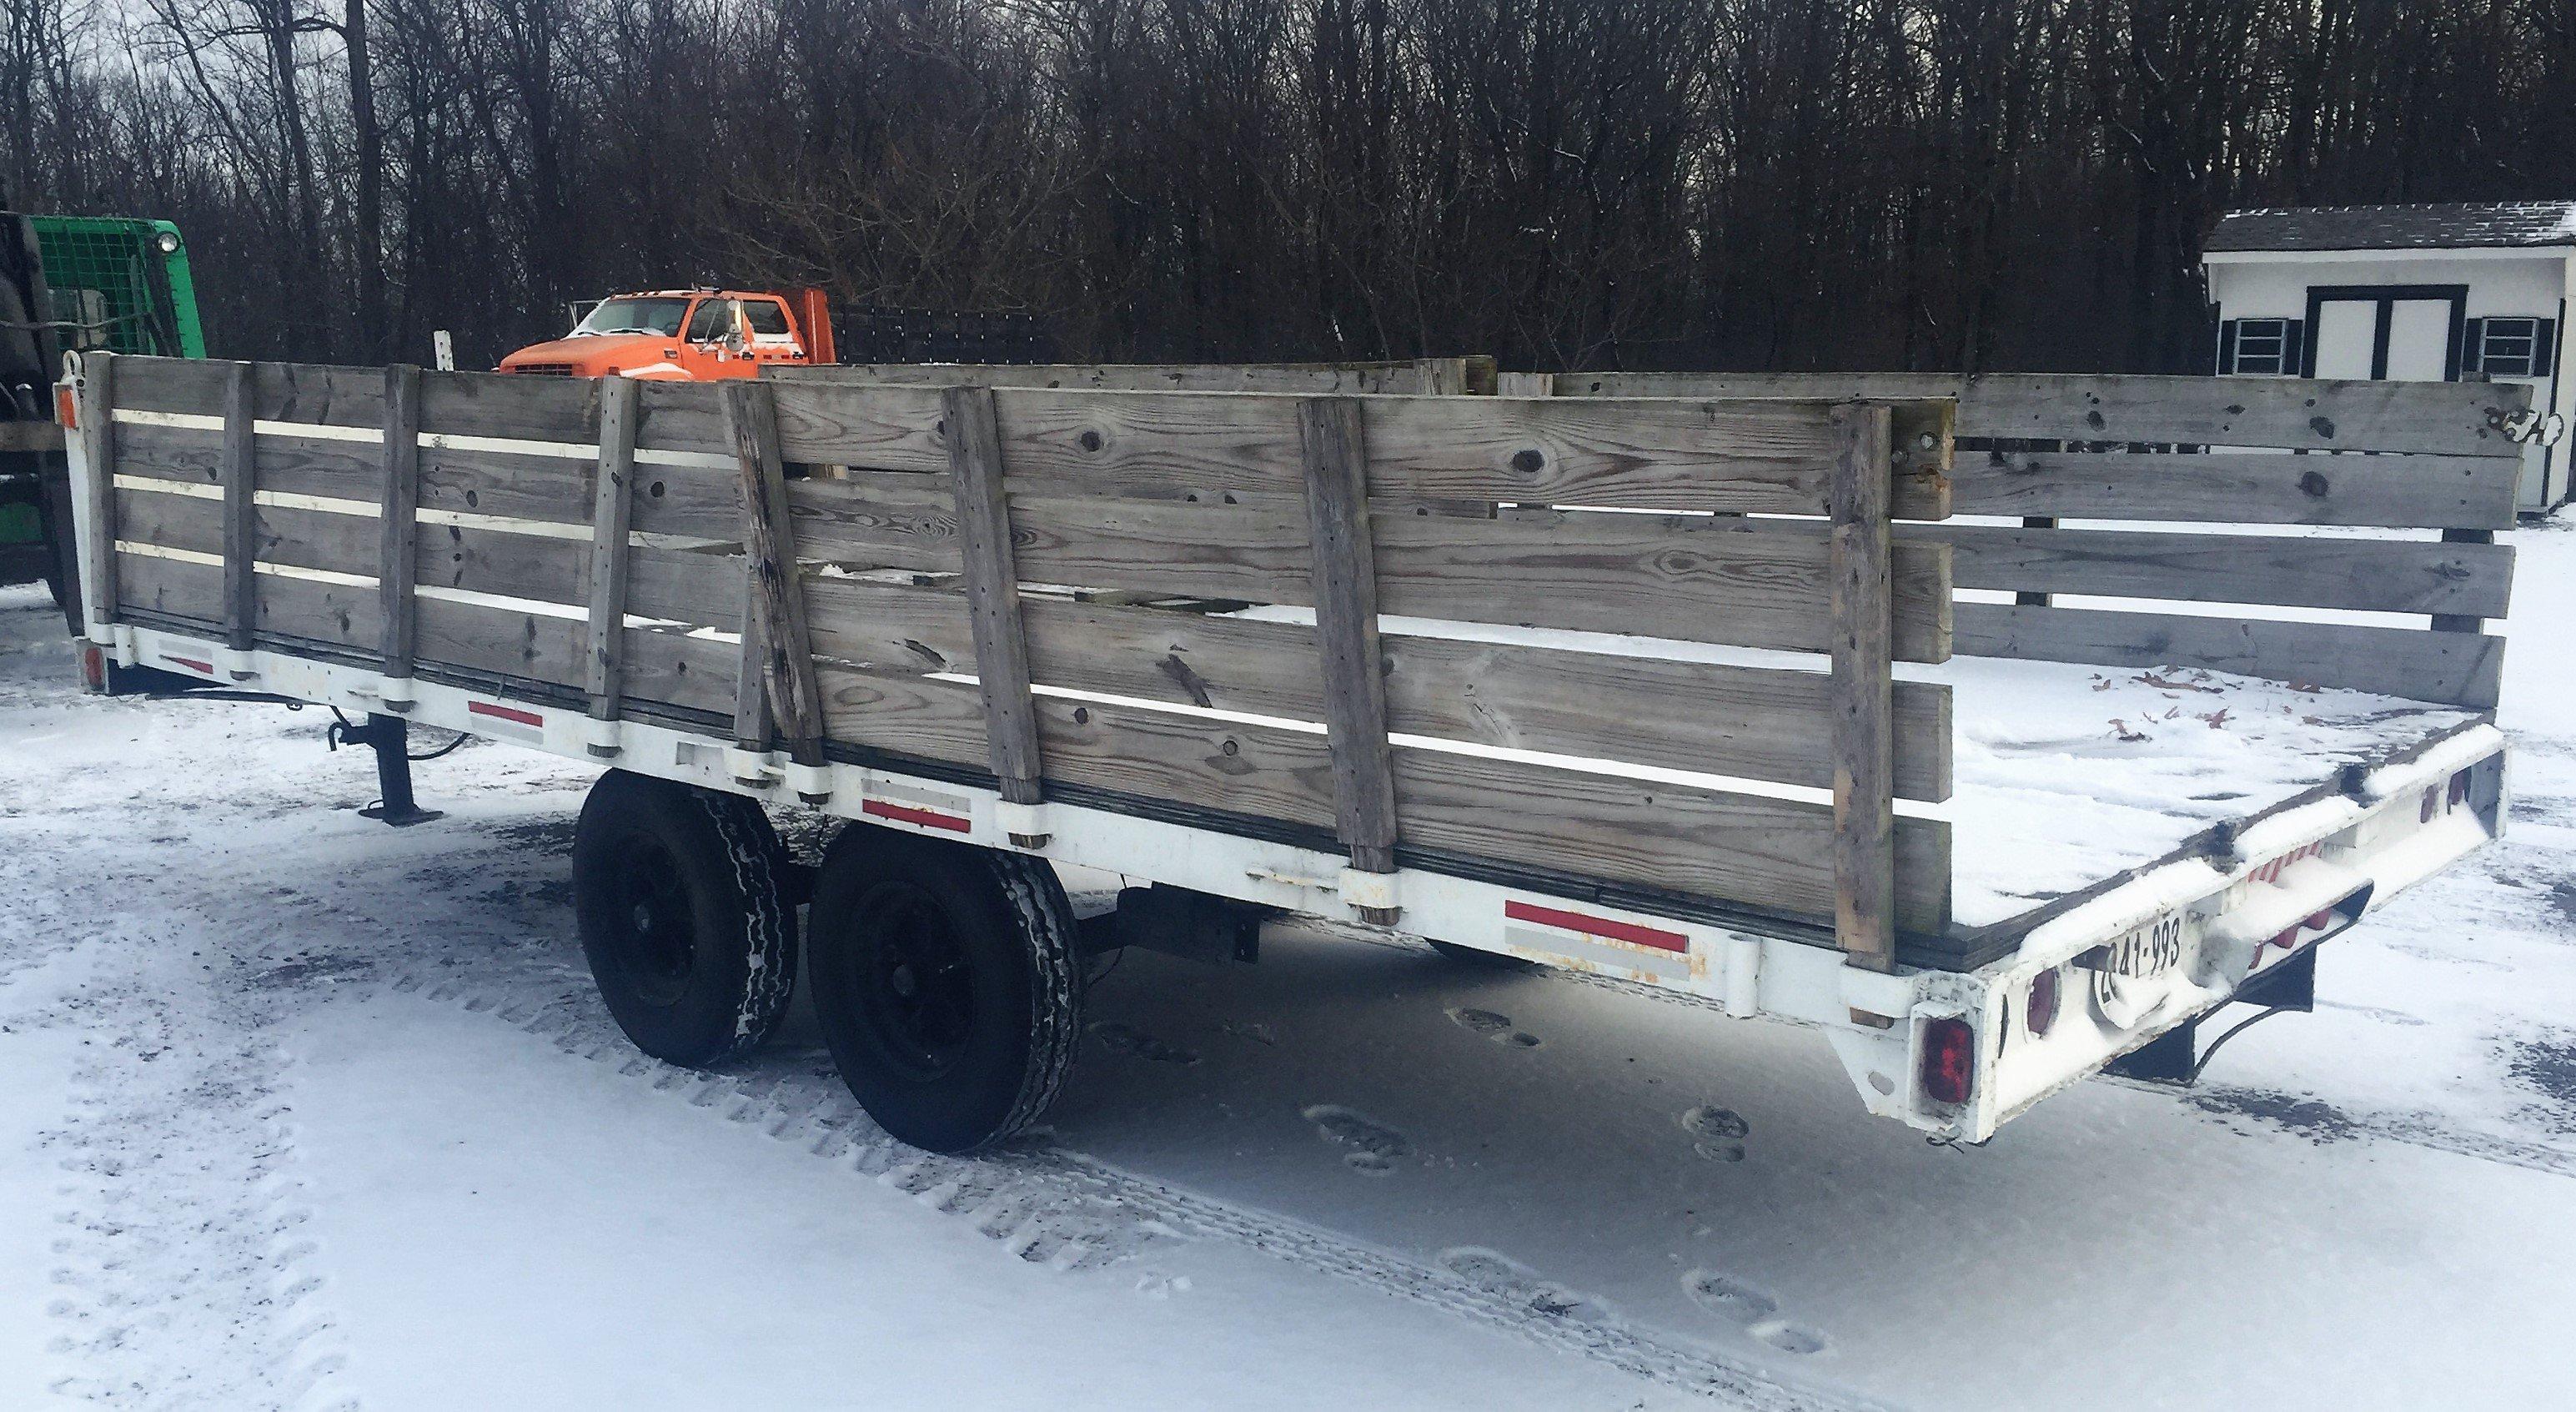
{"x":1630,"y":932}
{"x":905,"y":813}
{"x":506,"y":713}
{"x":191,"y":663}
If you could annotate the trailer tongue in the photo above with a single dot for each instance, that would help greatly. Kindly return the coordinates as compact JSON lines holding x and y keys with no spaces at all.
{"x":1384,"y":661}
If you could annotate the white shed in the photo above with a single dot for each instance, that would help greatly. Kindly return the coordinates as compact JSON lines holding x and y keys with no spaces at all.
{"x":2418,"y":293}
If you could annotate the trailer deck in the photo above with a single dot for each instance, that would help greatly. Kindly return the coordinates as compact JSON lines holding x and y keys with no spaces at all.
{"x":1673,"y":749}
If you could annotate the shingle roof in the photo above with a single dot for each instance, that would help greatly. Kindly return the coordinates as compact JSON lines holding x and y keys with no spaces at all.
{"x":2453,"y":227}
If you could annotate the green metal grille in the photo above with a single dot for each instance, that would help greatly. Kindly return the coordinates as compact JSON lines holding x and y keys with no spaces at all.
{"x":110,"y":276}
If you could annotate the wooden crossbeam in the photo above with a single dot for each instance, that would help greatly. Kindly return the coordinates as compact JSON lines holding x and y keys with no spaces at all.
{"x":992,"y":590}
{"x":1862,"y":693}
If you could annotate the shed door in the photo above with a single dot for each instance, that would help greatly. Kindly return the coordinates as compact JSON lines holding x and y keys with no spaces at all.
{"x":2403,"y":332}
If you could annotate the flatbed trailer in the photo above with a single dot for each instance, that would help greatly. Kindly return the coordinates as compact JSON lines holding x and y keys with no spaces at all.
{"x":1647,"y":676}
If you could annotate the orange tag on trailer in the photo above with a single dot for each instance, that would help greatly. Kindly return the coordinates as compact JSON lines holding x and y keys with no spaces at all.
{"x":63,"y":408}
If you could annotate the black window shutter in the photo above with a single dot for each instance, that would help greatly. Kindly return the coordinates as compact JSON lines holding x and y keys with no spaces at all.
{"x":2473,"y":345}
{"x":2544,"y":346}
{"x":2227,"y":346}
{"x":2294,"y":336}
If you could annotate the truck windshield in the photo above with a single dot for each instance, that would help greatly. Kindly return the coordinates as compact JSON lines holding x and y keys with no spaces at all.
{"x":660,"y":316}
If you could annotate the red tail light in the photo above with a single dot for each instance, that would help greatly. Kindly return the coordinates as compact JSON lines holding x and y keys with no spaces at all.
{"x":2042,"y":1011}
{"x":1949,"y":1061}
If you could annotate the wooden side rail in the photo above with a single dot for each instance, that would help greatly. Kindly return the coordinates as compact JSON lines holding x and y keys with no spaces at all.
{"x":1081,"y":556}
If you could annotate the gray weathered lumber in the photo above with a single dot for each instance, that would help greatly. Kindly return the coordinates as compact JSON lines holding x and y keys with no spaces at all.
{"x":171,"y":588}
{"x":555,"y":489}
{"x":785,"y":656}
{"x":1346,"y":631}
{"x":613,"y":496}
{"x":398,"y":558}
{"x":2462,"y":619}
{"x":1862,"y":692}
{"x":96,"y":412}
{"x":518,"y":408}
{"x":2371,"y":575}
{"x":1753,"y":722}
{"x":2303,"y":414}
{"x":2255,"y":487}
{"x":241,"y":511}
{"x":1412,"y":376}
{"x":992,"y":589}
{"x":687,"y":586}
{"x":1747,"y":457}
{"x":2451,"y":669}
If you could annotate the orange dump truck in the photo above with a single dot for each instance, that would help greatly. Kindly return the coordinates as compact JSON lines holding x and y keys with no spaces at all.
{"x":689,"y":335}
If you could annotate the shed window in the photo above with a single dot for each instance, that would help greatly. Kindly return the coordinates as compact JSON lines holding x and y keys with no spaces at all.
{"x":2260,"y":346}
{"x":2509,"y":347}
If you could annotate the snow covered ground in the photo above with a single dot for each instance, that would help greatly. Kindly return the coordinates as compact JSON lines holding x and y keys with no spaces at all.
{"x":300,"y":1111}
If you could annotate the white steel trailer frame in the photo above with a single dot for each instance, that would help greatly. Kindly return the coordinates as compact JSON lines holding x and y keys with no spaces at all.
{"x":2154,"y":951}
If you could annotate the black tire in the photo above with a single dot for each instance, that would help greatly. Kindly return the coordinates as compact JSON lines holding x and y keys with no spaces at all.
{"x":947,"y":980}
{"x":691,"y":938}
{"x":1490,"y":960}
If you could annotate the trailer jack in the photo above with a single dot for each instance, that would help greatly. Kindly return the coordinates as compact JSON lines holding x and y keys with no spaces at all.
{"x":390,"y":738}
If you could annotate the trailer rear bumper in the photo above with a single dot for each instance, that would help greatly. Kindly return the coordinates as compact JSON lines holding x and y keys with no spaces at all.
{"x":2187,"y":937}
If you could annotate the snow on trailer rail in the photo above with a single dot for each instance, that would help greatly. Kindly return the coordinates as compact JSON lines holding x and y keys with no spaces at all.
{"x":1322,"y":654}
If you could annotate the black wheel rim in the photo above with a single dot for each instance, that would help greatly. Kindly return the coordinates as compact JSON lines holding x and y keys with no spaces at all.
{"x":914,"y":979}
{"x":655,"y":929}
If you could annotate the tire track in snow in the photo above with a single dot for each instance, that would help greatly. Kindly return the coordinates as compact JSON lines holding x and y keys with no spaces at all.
{"x":1067,"y":1211}
{"x":183,"y":1226}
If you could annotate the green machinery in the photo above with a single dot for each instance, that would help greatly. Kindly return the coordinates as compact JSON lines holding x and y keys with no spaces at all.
{"x":69,"y":283}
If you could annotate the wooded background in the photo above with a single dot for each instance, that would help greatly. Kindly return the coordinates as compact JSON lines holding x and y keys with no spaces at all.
{"x":1885,"y":184}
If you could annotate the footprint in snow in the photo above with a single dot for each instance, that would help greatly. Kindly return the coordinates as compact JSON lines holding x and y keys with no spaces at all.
{"x":1374,"y":1146}
{"x":1498,"y":1274}
{"x":1728,"y":1297}
{"x":1721,"y":1133}
{"x":1493,"y":1026}
{"x":1127,"y":1039}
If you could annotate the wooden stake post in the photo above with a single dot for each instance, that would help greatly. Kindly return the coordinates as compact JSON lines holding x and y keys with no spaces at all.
{"x":399,"y":549}
{"x":778,"y":660}
{"x":1863,"y":753}
{"x":95,"y":410}
{"x":1345,"y":591}
{"x":613,"y":502}
{"x":993,"y":596}
{"x":241,"y":516}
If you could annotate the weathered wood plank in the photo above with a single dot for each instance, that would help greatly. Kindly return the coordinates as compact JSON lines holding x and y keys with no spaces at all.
{"x":103,"y":451}
{"x":510,"y":406}
{"x":769,"y":543}
{"x":1748,"y":721}
{"x":1736,"y":457}
{"x":1748,"y":583}
{"x":1404,"y":376}
{"x":2452,"y":669}
{"x":992,"y":589}
{"x":681,"y":416}
{"x":2401,"y":492}
{"x":2376,"y":575}
{"x":2458,"y":619}
{"x":613,"y":499}
{"x":554,"y":489}
{"x":1742,"y":848}
{"x":1768,"y":853}
{"x":2429,"y":417}
{"x":240,"y":483}
{"x":685,"y":586}
{"x":398,"y":530}
{"x":1346,"y":632}
{"x":340,"y":615}
{"x":170,"y":587}
{"x":1864,"y":848}
{"x":1756,"y":583}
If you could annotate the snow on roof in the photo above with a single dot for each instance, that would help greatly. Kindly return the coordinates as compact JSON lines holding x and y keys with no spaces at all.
{"x":2443,"y":227}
